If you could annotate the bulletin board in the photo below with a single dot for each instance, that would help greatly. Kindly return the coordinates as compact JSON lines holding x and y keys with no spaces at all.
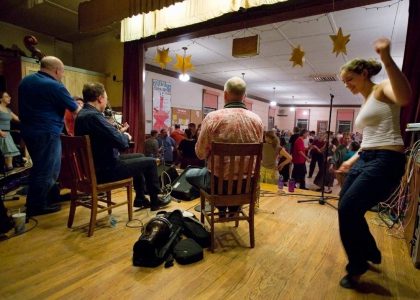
{"x":181,"y":116}
{"x":196,"y":116}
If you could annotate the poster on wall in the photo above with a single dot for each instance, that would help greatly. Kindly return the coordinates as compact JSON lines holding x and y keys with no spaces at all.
{"x":161,"y":95}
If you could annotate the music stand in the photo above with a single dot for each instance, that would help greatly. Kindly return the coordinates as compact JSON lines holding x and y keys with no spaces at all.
{"x":323,"y":199}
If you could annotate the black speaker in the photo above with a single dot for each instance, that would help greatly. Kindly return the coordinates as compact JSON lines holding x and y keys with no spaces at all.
{"x":170,"y":176}
{"x":182,"y":190}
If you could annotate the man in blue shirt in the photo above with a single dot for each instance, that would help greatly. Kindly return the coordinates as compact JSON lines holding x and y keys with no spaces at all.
{"x":168,"y":145}
{"x":43,"y":100}
{"x":107,"y":141}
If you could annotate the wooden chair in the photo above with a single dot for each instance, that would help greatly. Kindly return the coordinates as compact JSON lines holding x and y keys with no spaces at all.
{"x":78,"y":174}
{"x":232,"y":192}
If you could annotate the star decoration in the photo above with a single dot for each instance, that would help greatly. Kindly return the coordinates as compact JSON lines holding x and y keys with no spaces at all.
{"x":298,"y":56}
{"x":183,"y":63}
{"x":340,"y":41}
{"x":162,"y":57}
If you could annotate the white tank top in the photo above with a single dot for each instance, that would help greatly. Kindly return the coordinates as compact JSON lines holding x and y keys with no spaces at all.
{"x":380,"y":122}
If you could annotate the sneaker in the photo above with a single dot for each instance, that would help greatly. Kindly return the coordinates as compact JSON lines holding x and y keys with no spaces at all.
{"x":160,"y":202}
{"x":43,"y":211}
{"x":375,"y":257}
{"x":349,"y":281}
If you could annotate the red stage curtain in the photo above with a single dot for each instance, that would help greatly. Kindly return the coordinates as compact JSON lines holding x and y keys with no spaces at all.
{"x":133,"y":92}
{"x":411,"y":68}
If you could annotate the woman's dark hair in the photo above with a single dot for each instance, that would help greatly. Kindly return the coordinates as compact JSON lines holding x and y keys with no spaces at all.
{"x":357,"y":66}
{"x":283,"y":142}
{"x":188,"y":133}
{"x":354,"y":146}
{"x":335,"y":142}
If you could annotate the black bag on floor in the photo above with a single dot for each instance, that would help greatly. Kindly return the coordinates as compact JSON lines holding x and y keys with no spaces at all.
{"x":195,"y":230}
{"x":187,"y":252}
{"x":155,"y":243}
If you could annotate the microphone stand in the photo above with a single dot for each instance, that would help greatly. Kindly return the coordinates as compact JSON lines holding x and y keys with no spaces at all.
{"x":323,"y":199}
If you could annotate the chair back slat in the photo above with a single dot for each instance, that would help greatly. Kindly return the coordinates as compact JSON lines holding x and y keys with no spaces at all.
{"x":238,"y":168}
{"x":240,"y":174}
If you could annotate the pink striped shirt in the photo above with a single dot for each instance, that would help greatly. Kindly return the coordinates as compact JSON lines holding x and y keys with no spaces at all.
{"x":228,"y":125}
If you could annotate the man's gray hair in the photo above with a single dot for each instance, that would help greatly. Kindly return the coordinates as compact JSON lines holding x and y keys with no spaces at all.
{"x":236,"y":86}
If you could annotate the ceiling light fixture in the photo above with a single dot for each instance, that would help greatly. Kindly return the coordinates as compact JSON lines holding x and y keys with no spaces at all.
{"x":274,"y":102}
{"x":184,"y":76}
{"x":292,"y":108}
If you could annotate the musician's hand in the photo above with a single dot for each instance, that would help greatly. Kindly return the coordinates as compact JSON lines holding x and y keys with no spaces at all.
{"x":124,"y":127}
{"x":129,"y":136}
{"x":3,"y":134}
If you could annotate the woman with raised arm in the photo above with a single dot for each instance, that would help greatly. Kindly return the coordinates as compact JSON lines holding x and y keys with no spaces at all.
{"x":376,"y":169}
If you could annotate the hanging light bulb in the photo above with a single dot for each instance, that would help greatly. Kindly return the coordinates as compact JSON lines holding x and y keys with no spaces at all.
{"x":184,"y":76}
{"x":292,"y":108}
{"x":273,"y":102}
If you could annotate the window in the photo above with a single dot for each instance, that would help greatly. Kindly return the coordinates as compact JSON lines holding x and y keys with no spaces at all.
{"x":321,"y":126}
{"x":210,"y":100}
{"x":344,"y":126}
{"x":344,"y":120}
{"x":302,"y":118}
{"x":302,"y":123}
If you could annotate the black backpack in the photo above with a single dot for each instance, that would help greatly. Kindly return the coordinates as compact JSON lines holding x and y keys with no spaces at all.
{"x":187,"y":251}
{"x":162,"y":235}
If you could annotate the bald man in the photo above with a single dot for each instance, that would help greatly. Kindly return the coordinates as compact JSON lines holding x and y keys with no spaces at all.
{"x":43,"y":100}
{"x":232,"y":124}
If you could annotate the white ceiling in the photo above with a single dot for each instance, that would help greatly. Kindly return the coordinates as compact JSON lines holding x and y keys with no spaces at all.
{"x":271,"y":68}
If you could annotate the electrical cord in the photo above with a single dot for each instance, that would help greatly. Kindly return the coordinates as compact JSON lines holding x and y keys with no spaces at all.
{"x":26,"y":230}
{"x":393,"y":211}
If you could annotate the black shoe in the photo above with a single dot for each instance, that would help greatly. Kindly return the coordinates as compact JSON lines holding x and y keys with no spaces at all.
{"x":43,"y":211}
{"x":375,"y":258}
{"x":349,"y":281}
{"x":160,"y":202}
{"x":141,"y":203}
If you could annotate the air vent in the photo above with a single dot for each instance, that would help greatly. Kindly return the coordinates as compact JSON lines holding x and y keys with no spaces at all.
{"x":324,"y":77}
{"x":282,"y":112}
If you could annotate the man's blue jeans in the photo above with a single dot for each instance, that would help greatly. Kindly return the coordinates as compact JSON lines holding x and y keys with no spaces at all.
{"x":45,"y":151}
{"x":199,"y":178}
{"x":371,"y":180}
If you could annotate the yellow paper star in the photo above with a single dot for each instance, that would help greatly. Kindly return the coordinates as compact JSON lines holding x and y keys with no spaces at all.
{"x":162,"y":57}
{"x":183,"y":64}
{"x":340,"y":41}
{"x":298,"y":56}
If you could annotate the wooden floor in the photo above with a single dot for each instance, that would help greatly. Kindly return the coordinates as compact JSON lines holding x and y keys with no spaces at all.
{"x":298,"y":255}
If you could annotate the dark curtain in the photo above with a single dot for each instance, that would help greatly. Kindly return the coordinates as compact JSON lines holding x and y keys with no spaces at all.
{"x":411,"y":68}
{"x":133,"y":92}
